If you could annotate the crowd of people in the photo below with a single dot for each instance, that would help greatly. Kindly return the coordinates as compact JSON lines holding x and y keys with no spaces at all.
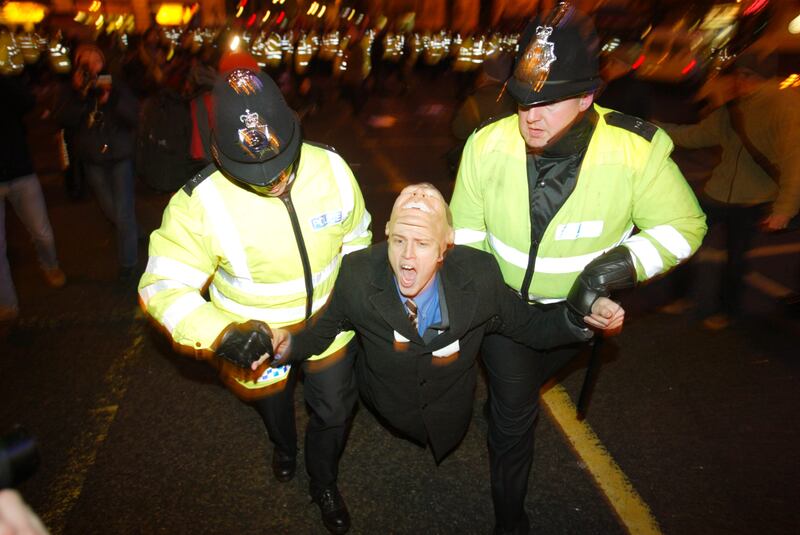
{"x":558,"y":204}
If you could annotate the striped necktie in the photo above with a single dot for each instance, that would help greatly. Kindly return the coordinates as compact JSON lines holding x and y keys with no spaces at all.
{"x":411,"y":306}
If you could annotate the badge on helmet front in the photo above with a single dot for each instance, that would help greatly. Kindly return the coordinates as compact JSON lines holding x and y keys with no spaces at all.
{"x":534,"y":66}
{"x":256,"y":138}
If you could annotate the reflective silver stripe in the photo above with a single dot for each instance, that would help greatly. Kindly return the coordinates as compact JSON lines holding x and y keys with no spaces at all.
{"x":545,"y":300}
{"x":347,"y":249}
{"x":672,"y":240}
{"x":647,"y":254}
{"x":149,"y":291}
{"x":342,"y":181}
{"x":467,"y":235}
{"x":224,"y":228}
{"x":550,"y":264}
{"x":508,"y":253}
{"x":180,"y":308}
{"x":279,"y":288}
{"x":361,"y":230}
{"x":270,"y":315}
{"x":169,"y":268}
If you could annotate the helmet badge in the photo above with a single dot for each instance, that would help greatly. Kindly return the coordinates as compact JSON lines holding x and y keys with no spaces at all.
{"x":256,"y":138}
{"x":534,"y":66}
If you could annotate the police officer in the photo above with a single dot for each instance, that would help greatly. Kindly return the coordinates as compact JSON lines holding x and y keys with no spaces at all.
{"x":555,"y":193}
{"x":267,"y":225}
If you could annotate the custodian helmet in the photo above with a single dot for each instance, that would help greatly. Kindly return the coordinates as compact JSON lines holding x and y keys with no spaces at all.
{"x":255,"y":135}
{"x":556,"y":59}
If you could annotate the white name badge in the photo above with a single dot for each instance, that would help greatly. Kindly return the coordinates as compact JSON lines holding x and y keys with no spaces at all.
{"x":447,"y":350}
{"x":584,"y":229}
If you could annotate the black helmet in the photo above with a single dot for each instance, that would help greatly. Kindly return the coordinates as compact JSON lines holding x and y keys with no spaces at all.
{"x":557,"y":58}
{"x":255,"y":135}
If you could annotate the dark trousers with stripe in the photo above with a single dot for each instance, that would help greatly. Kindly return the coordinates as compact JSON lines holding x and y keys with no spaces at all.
{"x":330,"y":392}
{"x":515,"y":373}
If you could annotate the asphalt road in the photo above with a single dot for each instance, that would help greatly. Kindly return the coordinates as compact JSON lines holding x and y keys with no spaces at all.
{"x":688,"y":431}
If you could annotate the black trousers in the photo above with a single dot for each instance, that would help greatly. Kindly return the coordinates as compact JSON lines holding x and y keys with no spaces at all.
{"x":740,"y":224}
{"x":330,"y":392}
{"x":515,"y":373}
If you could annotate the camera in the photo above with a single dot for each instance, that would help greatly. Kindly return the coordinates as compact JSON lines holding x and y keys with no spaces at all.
{"x":19,"y":457}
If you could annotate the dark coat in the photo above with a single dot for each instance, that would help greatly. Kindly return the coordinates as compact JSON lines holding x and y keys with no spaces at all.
{"x":425,"y":390}
{"x":16,"y":100}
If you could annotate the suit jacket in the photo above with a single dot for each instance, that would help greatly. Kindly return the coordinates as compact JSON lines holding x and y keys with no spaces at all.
{"x":425,"y":390}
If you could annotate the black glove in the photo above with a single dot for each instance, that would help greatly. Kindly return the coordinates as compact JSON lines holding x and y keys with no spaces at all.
{"x":613,"y":270}
{"x":243,"y":343}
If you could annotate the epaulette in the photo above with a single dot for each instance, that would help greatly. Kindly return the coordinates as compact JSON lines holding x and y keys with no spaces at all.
{"x":631,"y":124}
{"x":493,"y":119}
{"x":320,"y":145}
{"x":195,"y":181}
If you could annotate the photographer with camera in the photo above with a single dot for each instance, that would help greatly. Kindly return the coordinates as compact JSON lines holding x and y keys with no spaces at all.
{"x":103,"y":115}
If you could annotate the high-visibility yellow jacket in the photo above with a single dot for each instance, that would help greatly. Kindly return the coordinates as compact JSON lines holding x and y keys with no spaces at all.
{"x":216,"y":231}
{"x":627,"y":181}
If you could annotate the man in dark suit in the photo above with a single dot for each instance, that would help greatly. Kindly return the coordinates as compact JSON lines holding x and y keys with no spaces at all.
{"x":421,"y":307}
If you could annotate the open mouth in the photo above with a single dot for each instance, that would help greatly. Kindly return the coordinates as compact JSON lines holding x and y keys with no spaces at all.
{"x":408,"y":275}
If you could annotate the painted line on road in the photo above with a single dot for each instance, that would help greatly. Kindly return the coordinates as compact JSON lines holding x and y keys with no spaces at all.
{"x":67,"y":488}
{"x":629,"y":507}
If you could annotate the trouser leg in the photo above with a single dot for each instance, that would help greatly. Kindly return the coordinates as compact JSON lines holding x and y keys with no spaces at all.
{"x":515,"y":374}
{"x":277,"y":413}
{"x":8,"y":295}
{"x":742,"y":224}
{"x":28,"y":201}
{"x":330,"y":391}
{"x":123,"y":188}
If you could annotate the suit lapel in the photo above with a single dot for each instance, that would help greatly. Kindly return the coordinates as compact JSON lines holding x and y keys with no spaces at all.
{"x":460,"y":299}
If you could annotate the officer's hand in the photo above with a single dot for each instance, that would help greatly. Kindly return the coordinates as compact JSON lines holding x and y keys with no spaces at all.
{"x":606,"y":316}
{"x":16,"y":518}
{"x":282,"y":344}
{"x":775,"y":222}
{"x":244,"y":343}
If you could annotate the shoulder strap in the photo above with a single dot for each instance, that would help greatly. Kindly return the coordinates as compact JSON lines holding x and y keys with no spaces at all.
{"x":737,"y":122}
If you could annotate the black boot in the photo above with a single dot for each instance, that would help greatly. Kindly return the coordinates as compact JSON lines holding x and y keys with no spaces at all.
{"x":283,"y":465}
{"x":334,"y":511}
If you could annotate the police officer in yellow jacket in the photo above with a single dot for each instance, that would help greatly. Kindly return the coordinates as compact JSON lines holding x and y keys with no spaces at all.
{"x":263,"y":229}
{"x":555,"y":193}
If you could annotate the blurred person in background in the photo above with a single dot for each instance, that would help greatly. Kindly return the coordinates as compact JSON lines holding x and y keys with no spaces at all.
{"x":757,"y":181}
{"x":622,"y":90}
{"x":555,"y":193}
{"x":103,"y":113}
{"x":267,"y":224}
{"x":20,"y":185}
{"x":486,"y":102}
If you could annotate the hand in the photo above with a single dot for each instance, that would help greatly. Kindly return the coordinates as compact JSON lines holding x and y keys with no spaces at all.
{"x":775,"y":222}
{"x":606,"y":316}
{"x":244,"y":343}
{"x":282,"y":344}
{"x":16,"y":518}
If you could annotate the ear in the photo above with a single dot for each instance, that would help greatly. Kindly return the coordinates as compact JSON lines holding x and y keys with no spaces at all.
{"x":586,"y":101}
{"x":386,"y":230}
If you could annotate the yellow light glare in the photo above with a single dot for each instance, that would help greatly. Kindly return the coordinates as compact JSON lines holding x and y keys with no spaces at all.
{"x":170,"y":15}
{"x":99,"y":22}
{"x":794,"y":25}
{"x":322,"y":12}
{"x":239,"y":11}
{"x":312,"y":9}
{"x":793,"y":80}
{"x":350,"y":16}
{"x":235,"y":41}
{"x":80,"y":16}
{"x":266,"y":15}
{"x":22,"y":13}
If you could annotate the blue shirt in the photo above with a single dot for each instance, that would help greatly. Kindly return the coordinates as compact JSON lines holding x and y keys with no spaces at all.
{"x":427,"y":301}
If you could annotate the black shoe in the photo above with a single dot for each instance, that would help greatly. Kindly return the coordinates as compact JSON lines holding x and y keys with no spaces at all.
{"x":334,"y":511}
{"x":283,"y":465}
